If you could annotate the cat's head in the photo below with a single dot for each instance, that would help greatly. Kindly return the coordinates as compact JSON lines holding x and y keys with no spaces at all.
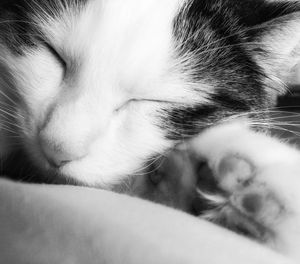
{"x":95,"y":88}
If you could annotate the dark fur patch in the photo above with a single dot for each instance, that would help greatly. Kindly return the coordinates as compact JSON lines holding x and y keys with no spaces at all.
{"x":219,"y":37}
{"x":18,"y":30}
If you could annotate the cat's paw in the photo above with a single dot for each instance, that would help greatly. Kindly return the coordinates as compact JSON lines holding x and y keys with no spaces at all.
{"x":256,"y":185}
{"x":247,"y":189}
{"x":248,"y":204}
{"x":233,"y":171}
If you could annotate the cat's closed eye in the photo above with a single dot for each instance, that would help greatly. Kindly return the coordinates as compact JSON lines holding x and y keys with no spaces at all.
{"x":57,"y":55}
{"x":129,"y":102}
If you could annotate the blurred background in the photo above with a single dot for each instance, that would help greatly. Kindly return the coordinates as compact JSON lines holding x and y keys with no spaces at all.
{"x":288,"y":120}
{"x":294,"y":86}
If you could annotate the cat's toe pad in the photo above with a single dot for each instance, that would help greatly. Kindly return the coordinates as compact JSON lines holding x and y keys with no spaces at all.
{"x":257,"y":202}
{"x":237,"y":176}
{"x":252,"y":203}
{"x":233,"y":172}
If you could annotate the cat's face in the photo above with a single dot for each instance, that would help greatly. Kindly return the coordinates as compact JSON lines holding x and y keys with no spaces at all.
{"x":101,"y":86}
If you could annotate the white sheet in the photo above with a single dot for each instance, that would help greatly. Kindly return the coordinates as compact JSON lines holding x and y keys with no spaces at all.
{"x":69,"y":225}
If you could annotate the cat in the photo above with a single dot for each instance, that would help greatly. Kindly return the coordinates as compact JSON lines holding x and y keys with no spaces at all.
{"x":92,"y":91}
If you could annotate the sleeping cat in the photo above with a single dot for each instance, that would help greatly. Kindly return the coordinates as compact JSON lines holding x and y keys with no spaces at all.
{"x":94,"y":90}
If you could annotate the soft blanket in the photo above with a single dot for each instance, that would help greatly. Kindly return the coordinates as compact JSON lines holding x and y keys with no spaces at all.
{"x":42,"y":224}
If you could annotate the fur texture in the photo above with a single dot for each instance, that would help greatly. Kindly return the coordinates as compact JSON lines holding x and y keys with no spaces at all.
{"x":93,"y":90}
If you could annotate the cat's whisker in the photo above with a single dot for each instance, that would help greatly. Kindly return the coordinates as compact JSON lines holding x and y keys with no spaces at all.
{"x":7,"y":113}
{"x":8,"y":97}
{"x":144,"y":171}
{"x":7,"y":129}
{"x":275,"y":127}
{"x":10,"y":115}
{"x":10,"y":124}
{"x":287,"y":107}
{"x":10,"y":110}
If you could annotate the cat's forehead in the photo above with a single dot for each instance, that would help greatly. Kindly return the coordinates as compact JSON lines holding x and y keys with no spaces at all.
{"x":102,"y":19}
{"x":111,"y":28}
{"x":134,"y":41}
{"x":129,"y":42}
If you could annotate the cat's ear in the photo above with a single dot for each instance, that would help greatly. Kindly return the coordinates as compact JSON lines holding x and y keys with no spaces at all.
{"x":279,"y":45}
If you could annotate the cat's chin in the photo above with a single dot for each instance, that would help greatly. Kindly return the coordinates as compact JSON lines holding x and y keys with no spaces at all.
{"x":80,"y":172}
{"x":22,"y":167}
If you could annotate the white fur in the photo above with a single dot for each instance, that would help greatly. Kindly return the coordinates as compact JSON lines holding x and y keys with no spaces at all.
{"x":102,"y":113}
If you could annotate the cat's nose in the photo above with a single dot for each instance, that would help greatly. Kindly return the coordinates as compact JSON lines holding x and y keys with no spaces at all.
{"x":58,"y":155}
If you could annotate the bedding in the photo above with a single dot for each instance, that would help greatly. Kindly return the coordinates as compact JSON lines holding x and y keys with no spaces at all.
{"x":43,"y":224}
